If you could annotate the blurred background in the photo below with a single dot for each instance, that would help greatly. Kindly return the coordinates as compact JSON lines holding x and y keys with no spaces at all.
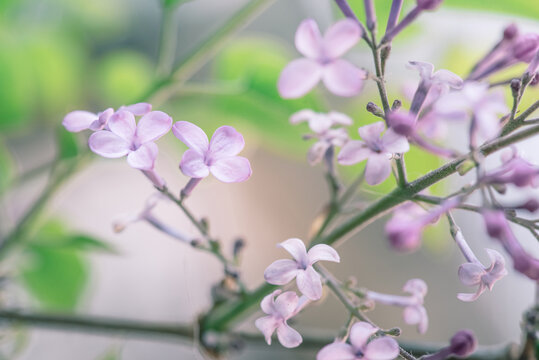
{"x":60,"y":55}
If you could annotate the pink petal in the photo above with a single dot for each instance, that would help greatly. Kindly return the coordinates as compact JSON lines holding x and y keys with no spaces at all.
{"x":341,"y":37}
{"x":415,"y":287}
{"x":301,"y":116}
{"x":377,"y":169}
{"x":298,"y":78}
{"x":281,"y":272}
{"x":191,"y":135}
{"x":360,"y":333}
{"x":308,"y":39}
{"x":497,"y":263}
{"x":466,"y":297}
{"x":372,"y":132}
{"x":225,"y":142}
{"x":267,"y":326}
{"x":78,"y":120}
{"x":267,"y":302}
{"x":296,"y":248}
{"x":193,"y":165}
{"x":231,"y":169}
{"x":138,"y":109}
{"x":342,"y":78}
{"x":322,"y":252}
{"x":416,"y":315}
{"x":470,"y":274}
{"x":340,"y":118}
{"x":144,"y":157}
{"x":285,"y":304}
{"x":288,"y":337}
{"x":122,"y":123}
{"x":384,"y":348}
{"x":152,"y":126}
{"x":336,"y":351}
{"x":102,"y":120}
{"x":395,"y":143}
{"x":353,"y":152}
{"x":108,"y":144}
{"x":425,"y":69}
{"x":448,"y":78}
{"x":309,"y":283}
{"x":320,"y":123}
{"x":317,"y":151}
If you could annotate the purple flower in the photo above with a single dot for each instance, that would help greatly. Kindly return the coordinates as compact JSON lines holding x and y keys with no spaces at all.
{"x":283,"y":271}
{"x":322,"y":61}
{"x":475,"y":274}
{"x":218,"y":156}
{"x":126,"y":137}
{"x":462,"y":344}
{"x":477,"y":101}
{"x":376,"y":149}
{"x":278,"y":311}
{"x":381,"y":348}
{"x":414,"y":311}
{"x":515,"y":170}
{"x":80,"y":120}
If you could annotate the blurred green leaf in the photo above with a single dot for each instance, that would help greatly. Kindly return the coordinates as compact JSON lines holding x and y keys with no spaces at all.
{"x":6,"y":167}
{"x":173,"y":3}
{"x":111,"y":354}
{"x":67,"y":144}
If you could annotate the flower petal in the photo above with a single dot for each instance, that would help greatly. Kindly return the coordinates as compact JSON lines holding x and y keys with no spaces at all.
{"x":193,"y":165}
{"x":138,"y":109}
{"x":191,"y":135}
{"x":308,"y":39}
{"x":372,"y":132}
{"x":108,"y":144}
{"x":377,"y":169}
{"x":231,"y":169}
{"x":425,"y":69}
{"x":342,"y":78}
{"x":322,"y":252}
{"x":225,"y":142}
{"x":268,"y":301}
{"x":467,"y":297}
{"x":122,"y":123}
{"x":288,"y":337}
{"x":281,"y":272}
{"x":497,"y":263}
{"x":152,"y":126}
{"x":298,"y":78}
{"x":415,"y":287}
{"x":352,"y":152}
{"x":144,"y":157}
{"x":320,"y":123}
{"x":341,"y":37}
{"x":384,"y":348}
{"x":301,"y":116}
{"x":446,"y":77}
{"x":360,"y":333}
{"x":317,"y":151}
{"x":286,"y":304}
{"x":296,"y":248}
{"x":470,"y":274}
{"x":78,"y":120}
{"x":340,"y":118}
{"x":309,"y":283}
{"x":102,"y":120}
{"x":416,"y":315}
{"x":336,"y":351}
{"x":267,"y":326}
{"x":395,"y":143}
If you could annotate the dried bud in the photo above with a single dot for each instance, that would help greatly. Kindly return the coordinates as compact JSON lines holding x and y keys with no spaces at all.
{"x":428,"y":4}
{"x":239,"y":244}
{"x":375,"y":109}
{"x":463,"y":343}
{"x":510,"y":32}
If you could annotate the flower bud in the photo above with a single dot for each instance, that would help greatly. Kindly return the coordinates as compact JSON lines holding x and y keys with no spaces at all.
{"x":531,"y":205}
{"x":463,"y":343}
{"x":396,"y":105}
{"x":494,"y":221}
{"x":525,"y":47}
{"x":401,"y":122}
{"x":428,"y":4}
{"x":374,"y":109}
{"x":515,"y":87}
{"x":510,"y":32}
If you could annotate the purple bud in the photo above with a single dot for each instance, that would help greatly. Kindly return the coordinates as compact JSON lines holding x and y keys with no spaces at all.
{"x":510,"y":32}
{"x":428,"y":4}
{"x":463,"y":343}
{"x":525,"y":47}
{"x":404,"y":236}
{"x":494,"y":221}
{"x":403,"y":123}
{"x":531,"y":205}
{"x":374,"y":109}
{"x":515,"y":86}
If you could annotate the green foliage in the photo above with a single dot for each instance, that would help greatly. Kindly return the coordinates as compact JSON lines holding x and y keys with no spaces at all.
{"x":67,"y":144}
{"x":6,"y":167}
{"x":170,"y":4}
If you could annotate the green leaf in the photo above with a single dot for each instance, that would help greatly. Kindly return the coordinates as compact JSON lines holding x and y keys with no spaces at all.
{"x":168,"y":4}
{"x":6,"y":167}
{"x":67,"y":144}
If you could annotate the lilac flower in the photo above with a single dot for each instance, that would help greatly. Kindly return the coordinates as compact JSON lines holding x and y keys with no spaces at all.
{"x":477,"y":101}
{"x":414,"y":311}
{"x":80,"y":120}
{"x":381,"y":348}
{"x":322,"y":61}
{"x":126,"y":137}
{"x":475,"y":274}
{"x":377,"y":150}
{"x":283,"y":271}
{"x":515,"y":170}
{"x":321,"y":124}
{"x":218,"y":156}
{"x":278,"y":311}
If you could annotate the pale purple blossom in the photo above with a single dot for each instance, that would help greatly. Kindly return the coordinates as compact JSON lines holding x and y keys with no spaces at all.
{"x":414,"y":312}
{"x":278,"y":311}
{"x":376,"y":149}
{"x":475,"y":100}
{"x":283,"y":271}
{"x":515,"y":170}
{"x":80,"y":120}
{"x":381,"y":348}
{"x":320,"y":122}
{"x":218,"y":156}
{"x":126,"y":137}
{"x":322,"y":60}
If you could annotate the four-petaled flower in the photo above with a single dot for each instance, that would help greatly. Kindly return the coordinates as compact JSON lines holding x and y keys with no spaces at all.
{"x":381,"y":348}
{"x":278,"y":311}
{"x":322,"y":61}
{"x":475,"y":274}
{"x":378,"y":150}
{"x":80,"y":120}
{"x":218,"y":156}
{"x":283,"y":271}
{"x":126,"y":137}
